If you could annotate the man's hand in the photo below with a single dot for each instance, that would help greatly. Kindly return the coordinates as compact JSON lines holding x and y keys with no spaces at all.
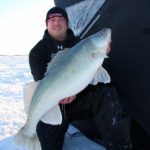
{"x":109,"y":47}
{"x":68,"y":100}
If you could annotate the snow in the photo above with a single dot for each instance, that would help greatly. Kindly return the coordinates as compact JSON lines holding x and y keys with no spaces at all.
{"x":80,"y":14}
{"x":14,"y":73}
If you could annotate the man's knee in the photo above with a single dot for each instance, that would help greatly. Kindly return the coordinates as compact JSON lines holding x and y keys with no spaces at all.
{"x":51,"y":136}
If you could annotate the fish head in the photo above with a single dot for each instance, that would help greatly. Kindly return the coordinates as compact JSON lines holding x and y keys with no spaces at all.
{"x":101,"y":40}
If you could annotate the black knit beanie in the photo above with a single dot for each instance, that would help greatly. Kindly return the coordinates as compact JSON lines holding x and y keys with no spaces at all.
{"x":56,"y":12}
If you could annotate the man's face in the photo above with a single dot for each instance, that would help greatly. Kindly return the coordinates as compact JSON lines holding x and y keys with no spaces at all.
{"x":57,"y":27}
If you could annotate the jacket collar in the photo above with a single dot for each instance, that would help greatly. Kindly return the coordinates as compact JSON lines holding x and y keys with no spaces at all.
{"x":70,"y":38}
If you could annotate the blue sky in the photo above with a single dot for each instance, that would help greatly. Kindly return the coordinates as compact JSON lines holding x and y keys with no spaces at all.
{"x":22,"y":24}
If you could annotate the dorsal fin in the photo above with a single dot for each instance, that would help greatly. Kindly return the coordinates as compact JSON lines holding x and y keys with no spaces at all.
{"x":53,"y":116}
{"x":57,"y":58}
{"x":28,"y":92}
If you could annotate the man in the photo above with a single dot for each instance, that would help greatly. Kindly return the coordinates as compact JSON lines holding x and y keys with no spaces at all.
{"x":57,"y":36}
{"x":86,"y":104}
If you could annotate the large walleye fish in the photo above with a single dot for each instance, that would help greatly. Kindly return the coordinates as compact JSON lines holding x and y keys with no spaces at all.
{"x":68,"y":73}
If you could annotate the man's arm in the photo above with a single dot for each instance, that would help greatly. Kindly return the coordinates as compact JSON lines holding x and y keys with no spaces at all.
{"x":68,"y":100}
{"x":37,"y":64}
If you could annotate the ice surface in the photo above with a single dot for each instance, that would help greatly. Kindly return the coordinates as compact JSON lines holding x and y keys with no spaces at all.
{"x":14,"y":73}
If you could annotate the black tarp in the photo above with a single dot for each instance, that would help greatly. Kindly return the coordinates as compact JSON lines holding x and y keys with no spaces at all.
{"x":66,"y":3}
{"x":128,"y":63}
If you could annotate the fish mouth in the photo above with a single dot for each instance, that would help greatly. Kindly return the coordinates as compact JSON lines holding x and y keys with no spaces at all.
{"x":102,"y":39}
{"x":106,"y":34}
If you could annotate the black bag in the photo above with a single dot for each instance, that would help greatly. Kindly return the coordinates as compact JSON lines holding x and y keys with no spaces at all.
{"x":110,"y":122}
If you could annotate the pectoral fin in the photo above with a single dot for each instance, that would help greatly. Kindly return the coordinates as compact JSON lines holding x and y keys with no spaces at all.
{"x":101,"y":75}
{"x":53,"y":116}
{"x":28,"y":92}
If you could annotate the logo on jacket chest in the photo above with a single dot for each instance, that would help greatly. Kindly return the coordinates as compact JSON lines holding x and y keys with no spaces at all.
{"x":60,"y":47}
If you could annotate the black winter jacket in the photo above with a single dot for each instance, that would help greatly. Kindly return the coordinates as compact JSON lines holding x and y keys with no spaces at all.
{"x":42,"y":53}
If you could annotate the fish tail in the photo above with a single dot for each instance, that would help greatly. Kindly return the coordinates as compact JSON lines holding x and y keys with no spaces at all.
{"x":22,"y":140}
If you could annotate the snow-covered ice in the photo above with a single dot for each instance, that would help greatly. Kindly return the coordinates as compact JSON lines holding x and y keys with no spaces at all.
{"x":14,"y":73}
